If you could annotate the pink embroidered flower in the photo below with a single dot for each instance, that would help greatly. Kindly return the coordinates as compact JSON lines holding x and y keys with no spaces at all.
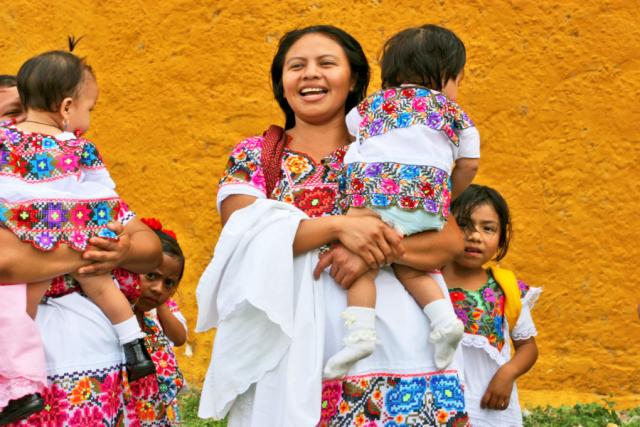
{"x":419,"y":104}
{"x":389,"y":93}
{"x":165,"y":364}
{"x":144,"y":388}
{"x":68,"y":162}
{"x":330,"y":396}
{"x":79,"y":240}
{"x":357,"y":200}
{"x":55,"y":409}
{"x":110,"y":395}
{"x":389,"y":186}
{"x":86,"y":416}
{"x":80,"y":215}
{"x":257,"y":179}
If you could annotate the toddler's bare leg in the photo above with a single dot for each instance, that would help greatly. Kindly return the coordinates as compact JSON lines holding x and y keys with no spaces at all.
{"x":35,"y":292}
{"x":360,"y":319}
{"x":104,"y":293}
{"x":446,"y":328}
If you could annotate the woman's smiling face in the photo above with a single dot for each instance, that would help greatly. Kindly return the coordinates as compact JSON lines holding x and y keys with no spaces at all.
{"x":316,"y":79}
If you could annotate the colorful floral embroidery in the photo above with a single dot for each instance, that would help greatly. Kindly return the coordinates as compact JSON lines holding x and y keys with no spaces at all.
{"x":310,"y":186}
{"x":381,"y":185}
{"x":35,"y":157}
{"x":48,"y":223}
{"x":394,"y":400}
{"x":402,"y":107}
{"x":481,"y":311}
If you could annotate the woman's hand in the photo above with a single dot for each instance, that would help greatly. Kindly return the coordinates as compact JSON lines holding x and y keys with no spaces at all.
{"x":373,"y":240}
{"x":498,"y":392}
{"x":106,"y":254}
{"x":346,"y":266}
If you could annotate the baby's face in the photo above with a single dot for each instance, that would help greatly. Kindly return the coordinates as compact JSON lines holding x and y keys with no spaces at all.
{"x":10,"y":106}
{"x":450,"y":88}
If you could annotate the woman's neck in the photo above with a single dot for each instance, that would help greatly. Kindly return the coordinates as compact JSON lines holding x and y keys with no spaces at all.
{"x":41,"y":122}
{"x":457,"y":276}
{"x":319,"y":140}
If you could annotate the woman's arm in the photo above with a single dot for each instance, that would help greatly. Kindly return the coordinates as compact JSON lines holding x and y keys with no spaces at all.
{"x":499,"y":390}
{"x":138,"y":250}
{"x":462,"y":175}
{"x":20,"y":262}
{"x":171,"y":325}
{"x":375,"y":241}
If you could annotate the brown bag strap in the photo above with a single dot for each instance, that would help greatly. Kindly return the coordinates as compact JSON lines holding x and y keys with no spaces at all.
{"x":271,"y":158}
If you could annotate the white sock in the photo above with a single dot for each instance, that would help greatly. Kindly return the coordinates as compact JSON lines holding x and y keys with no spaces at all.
{"x":359,"y":343}
{"x":128,"y":331}
{"x":446,"y":333}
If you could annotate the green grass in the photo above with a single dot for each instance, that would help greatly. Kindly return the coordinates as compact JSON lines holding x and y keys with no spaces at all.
{"x":583,"y":415}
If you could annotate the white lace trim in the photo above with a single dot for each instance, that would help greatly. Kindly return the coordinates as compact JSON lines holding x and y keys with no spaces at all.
{"x":481,"y":342}
{"x":531,"y":297}
{"x":14,"y":388}
{"x":531,"y":331}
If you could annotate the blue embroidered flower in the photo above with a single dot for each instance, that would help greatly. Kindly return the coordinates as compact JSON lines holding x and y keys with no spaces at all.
{"x":380,"y":200}
{"x":55,"y":215}
{"x":107,"y":234}
{"x":376,"y":127}
{"x":404,"y":120}
{"x":3,"y":213}
{"x":373,"y":170}
{"x":407,"y":396}
{"x":497,"y":325}
{"x":422,"y":93}
{"x":49,"y":143}
{"x":101,"y":213}
{"x":89,"y":155}
{"x":447,"y":393}
{"x":41,"y":165}
{"x":409,"y":171}
{"x":376,"y":102}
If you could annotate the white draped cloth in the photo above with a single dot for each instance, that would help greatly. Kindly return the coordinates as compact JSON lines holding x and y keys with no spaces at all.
{"x":266,"y":365}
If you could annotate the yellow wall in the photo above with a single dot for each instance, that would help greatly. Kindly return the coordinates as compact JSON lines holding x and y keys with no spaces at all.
{"x":553,"y":89}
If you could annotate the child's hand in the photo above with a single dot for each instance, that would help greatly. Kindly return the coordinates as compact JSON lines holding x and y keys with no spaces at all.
{"x":346,"y":266}
{"x":106,"y":254}
{"x":499,"y":390}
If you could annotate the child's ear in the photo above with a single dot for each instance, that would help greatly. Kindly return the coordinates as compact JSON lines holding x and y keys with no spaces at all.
{"x":65,"y":106}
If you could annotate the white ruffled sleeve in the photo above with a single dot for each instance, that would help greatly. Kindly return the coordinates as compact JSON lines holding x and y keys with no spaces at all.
{"x":525,"y":328}
{"x":353,"y":120}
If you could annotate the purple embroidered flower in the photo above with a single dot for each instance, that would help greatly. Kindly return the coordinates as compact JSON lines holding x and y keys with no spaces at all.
{"x":4,"y":157}
{"x":55,"y":215}
{"x":489,"y":295}
{"x":442,"y":100}
{"x":430,"y":206}
{"x":460,"y":313}
{"x":13,"y":136}
{"x":45,"y":240}
{"x":434,"y":120}
{"x":373,"y":170}
{"x":376,"y":127}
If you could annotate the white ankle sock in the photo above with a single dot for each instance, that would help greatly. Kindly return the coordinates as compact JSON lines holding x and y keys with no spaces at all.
{"x":359,"y":343}
{"x":439,"y":313}
{"x":128,"y":331}
{"x":446,"y":331}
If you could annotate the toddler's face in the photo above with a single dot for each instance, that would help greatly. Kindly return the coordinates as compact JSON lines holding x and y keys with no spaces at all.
{"x":481,"y":237}
{"x":450,"y":88}
{"x":160,"y":284}
{"x":82,"y":105}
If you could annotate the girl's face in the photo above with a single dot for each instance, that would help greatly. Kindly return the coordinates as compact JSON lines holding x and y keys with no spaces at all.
{"x":450,"y":88}
{"x":316,"y":79}
{"x":481,"y":237}
{"x":160,"y":284}
{"x":79,"y":109}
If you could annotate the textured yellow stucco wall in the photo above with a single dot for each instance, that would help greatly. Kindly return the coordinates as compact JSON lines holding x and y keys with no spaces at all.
{"x":552,"y":86}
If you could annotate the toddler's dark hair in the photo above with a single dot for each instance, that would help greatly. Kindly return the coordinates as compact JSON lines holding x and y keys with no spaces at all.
{"x":477,"y":195}
{"x":427,"y":56}
{"x":171,"y":247}
{"x":44,"y":81}
{"x":7,"y":80}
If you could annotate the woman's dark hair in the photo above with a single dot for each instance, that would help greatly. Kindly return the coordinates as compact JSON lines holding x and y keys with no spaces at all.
{"x":428,"y":56}
{"x":44,"y":81}
{"x":353,"y":51}
{"x":478,"y":195}
{"x":7,"y":80}
{"x":171,"y":247}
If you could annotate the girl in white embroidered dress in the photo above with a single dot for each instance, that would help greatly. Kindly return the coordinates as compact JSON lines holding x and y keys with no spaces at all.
{"x":494,"y":307}
{"x":408,"y":136}
{"x":55,"y":190}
